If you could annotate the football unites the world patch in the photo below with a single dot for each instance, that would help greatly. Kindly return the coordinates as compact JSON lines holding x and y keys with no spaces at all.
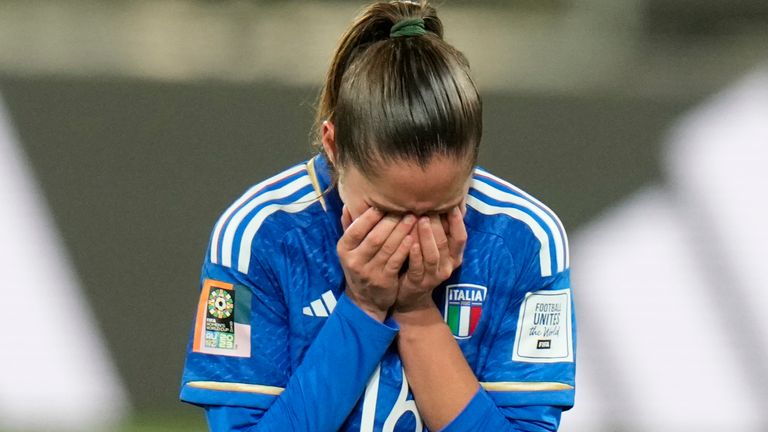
{"x":463,"y":307}
{"x":544,"y":328}
{"x":222,"y":325}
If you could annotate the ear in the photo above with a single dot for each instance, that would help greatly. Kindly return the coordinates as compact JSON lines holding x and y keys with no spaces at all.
{"x":329,"y":141}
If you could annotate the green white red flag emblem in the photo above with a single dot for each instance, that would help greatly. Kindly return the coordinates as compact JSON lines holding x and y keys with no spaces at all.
{"x":463,"y":307}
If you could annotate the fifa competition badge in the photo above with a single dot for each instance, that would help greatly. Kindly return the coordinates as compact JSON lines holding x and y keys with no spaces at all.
{"x":220,"y":304}
{"x":222,"y":325}
{"x":463,"y":307}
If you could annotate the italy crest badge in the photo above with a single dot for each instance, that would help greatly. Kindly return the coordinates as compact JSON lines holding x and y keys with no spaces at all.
{"x":463,"y":307}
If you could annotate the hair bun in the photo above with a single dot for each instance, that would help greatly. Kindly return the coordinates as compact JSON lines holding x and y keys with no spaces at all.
{"x":408,"y":27}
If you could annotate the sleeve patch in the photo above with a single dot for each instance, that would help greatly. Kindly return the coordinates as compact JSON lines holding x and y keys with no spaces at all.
{"x":222,"y":325}
{"x":544,"y":329}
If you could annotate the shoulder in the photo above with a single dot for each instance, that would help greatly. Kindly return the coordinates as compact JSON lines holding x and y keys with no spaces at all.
{"x":496,"y":206}
{"x":262,"y":215}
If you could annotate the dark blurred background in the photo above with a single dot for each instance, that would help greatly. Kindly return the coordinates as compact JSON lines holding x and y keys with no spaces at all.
{"x":142,"y":120}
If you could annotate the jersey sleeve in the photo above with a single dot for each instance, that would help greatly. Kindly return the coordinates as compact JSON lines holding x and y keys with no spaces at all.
{"x":482,"y":414}
{"x":237,"y":354}
{"x":238,"y":359}
{"x":531,"y":361}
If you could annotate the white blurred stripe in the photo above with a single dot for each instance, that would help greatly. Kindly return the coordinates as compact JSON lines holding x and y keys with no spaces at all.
{"x":652,"y":353}
{"x":55,"y":371}
{"x":718,"y":161}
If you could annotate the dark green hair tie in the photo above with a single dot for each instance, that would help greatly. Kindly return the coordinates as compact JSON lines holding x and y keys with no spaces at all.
{"x":407,"y":28}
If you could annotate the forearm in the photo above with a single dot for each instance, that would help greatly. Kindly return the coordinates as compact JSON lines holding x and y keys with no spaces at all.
{"x":349,"y":337}
{"x":482,"y":414}
{"x":438,"y":374}
{"x":444,"y":387}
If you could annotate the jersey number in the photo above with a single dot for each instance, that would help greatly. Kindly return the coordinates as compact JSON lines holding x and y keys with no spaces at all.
{"x":398,"y":410}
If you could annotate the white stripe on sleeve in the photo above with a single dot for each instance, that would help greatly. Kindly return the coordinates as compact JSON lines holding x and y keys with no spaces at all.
{"x":551,"y":223}
{"x":536,"y":202}
{"x":227,"y":250}
{"x":242,"y":200}
{"x":244,"y":258}
{"x":545,"y":258}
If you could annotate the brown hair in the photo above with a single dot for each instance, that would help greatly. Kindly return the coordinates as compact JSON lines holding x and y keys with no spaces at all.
{"x":399,"y":98}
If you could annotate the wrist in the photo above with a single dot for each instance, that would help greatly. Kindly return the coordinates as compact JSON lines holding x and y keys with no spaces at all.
{"x":372,"y":311}
{"x":376,"y":314}
{"x":414,"y":305}
{"x":420,"y":315}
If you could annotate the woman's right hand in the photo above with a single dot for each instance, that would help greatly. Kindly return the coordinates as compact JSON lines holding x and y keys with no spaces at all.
{"x":372,"y":251}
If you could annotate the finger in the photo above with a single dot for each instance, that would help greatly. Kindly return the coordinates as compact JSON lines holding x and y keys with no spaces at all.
{"x":458,"y":233}
{"x":397,"y":259}
{"x":446,"y":261}
{"x":396,"y":237}
{"x":376,"y":238}
{"x":415,"y":263}
{"x":346,"y":218}
{"x":360,"y":227}
{"x":444,"y":222}
{"x":441,"y":238}
{"x":429,"y":249}
{"x":415,"y":231}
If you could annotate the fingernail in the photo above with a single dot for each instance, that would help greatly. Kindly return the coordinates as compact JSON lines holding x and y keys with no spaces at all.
{"x":409,"y":219}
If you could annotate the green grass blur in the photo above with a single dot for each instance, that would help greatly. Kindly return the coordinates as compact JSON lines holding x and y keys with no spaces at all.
{"x":191,"y":420}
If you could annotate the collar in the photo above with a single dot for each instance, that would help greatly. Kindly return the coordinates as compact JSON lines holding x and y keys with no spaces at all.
{"x":320,"y":173}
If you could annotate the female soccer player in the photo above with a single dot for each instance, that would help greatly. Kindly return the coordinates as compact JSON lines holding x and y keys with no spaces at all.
{"x":387,"y":283}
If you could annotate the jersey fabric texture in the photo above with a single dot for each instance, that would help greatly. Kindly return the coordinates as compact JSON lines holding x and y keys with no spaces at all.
{"x":276,"y":345}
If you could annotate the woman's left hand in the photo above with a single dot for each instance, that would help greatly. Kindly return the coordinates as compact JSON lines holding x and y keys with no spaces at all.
{"x":432,"y":260}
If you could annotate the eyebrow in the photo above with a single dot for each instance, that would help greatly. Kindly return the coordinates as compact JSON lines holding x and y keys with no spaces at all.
{"x":390,"y":210}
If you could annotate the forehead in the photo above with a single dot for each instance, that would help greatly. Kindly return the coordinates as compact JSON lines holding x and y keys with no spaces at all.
{"x":404,"y":187}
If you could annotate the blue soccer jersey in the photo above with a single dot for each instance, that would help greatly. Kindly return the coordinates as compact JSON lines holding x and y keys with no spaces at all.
{"x":276,"y":344}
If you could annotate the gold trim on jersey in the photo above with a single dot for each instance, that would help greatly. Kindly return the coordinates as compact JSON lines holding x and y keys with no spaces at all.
{"x":237,"y":387}
{"x":508,"y":386}
{"x":315,"y":183}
